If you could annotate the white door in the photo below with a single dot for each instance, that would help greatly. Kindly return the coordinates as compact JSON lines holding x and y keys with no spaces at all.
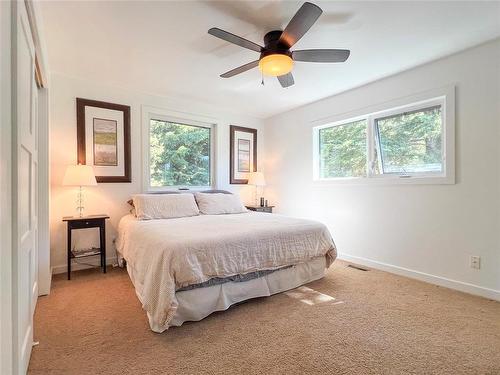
{"x":24,"y":188}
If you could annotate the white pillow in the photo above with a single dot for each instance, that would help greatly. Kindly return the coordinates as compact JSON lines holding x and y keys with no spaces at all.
{"x":216,"y":204}
{"x":164,"y":206}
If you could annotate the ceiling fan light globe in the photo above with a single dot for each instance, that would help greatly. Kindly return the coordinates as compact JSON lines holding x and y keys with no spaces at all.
{"x":276,"y":65}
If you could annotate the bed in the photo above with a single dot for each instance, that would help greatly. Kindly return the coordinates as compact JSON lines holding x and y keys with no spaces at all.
{"x":183,"y":269}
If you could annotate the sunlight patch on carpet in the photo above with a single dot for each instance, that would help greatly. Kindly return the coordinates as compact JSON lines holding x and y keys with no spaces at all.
{"x":310,"y":296}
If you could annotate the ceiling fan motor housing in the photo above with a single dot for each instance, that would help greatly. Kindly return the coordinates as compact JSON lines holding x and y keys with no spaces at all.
{"x":275,"y":58}
{"x":272,"y":45}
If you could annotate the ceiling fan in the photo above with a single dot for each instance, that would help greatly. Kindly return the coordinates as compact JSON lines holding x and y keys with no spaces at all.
{"x":276,"y":59}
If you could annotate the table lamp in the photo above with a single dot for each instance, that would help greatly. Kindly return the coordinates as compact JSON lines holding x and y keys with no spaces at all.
{"x":79,"y":175}
{"x":257,"y":179}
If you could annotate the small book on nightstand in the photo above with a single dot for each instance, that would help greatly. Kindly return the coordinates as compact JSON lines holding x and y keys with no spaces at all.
{"x":81,"y":253}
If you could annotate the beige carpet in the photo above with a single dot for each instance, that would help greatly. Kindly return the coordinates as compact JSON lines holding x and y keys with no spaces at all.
{"x":377,"y":323}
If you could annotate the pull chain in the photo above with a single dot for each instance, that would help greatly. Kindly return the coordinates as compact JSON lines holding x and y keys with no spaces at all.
{"x":262,"y":82}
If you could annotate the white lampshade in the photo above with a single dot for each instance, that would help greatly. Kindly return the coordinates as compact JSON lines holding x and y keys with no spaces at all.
{"x":257,"y":179}
{"x":79,"y":175}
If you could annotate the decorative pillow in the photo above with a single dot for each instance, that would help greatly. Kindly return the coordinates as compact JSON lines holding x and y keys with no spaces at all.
{"x":131,"y":201}
{"x":164,"y":206}
{"x":216,"y":203}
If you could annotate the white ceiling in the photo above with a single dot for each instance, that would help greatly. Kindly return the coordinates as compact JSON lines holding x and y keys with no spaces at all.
{"x":163,"y":47}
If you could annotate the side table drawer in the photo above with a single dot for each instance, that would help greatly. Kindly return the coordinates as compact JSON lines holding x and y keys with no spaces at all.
{"x":88,"y":223}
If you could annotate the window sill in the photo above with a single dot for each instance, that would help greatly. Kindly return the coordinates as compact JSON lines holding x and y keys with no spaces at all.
{"x":179,"y":189}
{"x":386,"y":180}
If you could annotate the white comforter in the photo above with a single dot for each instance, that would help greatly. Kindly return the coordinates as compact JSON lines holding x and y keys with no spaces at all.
{"x":167,"y":254}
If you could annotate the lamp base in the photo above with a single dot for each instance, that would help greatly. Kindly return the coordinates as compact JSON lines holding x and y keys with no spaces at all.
{"x":80,"y":206}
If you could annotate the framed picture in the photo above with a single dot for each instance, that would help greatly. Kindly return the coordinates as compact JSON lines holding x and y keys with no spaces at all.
{"x":103,"y":139}
{"x":243,"y":153}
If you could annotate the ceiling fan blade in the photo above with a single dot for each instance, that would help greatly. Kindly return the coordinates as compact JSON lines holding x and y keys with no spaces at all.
{"x":240,"y":69}
{"x":286,"y":80}
{"x":235,"y":39}
{"x":321,"y":55}
{"x":302,"y":21}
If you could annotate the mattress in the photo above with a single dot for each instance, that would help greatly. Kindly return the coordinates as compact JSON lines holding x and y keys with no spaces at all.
{"x":166,"y":255}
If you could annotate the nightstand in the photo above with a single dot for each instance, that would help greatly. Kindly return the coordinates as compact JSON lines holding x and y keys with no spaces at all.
{"x":268,"y":209}
{"x":91,"y":221}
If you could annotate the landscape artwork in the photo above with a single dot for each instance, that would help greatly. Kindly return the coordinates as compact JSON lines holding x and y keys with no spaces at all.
{"x":243,"y":155}
{"x":103,"y":139}
{"x":105,"y":142}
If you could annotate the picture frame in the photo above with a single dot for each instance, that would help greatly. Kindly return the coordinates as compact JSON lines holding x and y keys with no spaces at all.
{"x":242,"y":153}
{"x":103,"y":139}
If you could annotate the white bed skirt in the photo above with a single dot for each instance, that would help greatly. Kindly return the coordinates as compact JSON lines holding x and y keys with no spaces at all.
{"x":196,"y":304}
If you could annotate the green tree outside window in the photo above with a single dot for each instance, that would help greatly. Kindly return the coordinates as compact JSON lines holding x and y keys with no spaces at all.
{"x":343,"y":150}
{"x":411,"y":142}
{"x":179,"y":154}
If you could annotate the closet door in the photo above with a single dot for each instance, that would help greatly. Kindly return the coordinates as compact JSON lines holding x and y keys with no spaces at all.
{"x":24,"y":188}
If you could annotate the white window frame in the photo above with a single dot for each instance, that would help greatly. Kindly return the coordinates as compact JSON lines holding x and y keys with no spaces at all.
{"x":152,"y":113}
{"x":444,"y":97}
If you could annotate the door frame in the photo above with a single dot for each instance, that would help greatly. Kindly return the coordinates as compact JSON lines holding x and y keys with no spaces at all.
{"x":9,"y":11}
{"x":6,"y":354}
{"x":23,"y":239}
{"x":44,"y":269}
{"x":42,"y":79}
{"x":22,"y":17}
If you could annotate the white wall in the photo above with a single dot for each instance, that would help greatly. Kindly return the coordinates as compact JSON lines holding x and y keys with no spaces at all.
{"x":430,"y":229}
{"x":111,"y":198}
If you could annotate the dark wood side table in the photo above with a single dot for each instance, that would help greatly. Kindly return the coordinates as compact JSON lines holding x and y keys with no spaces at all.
{"x":268,"y":209}
{"x":91,"y":221}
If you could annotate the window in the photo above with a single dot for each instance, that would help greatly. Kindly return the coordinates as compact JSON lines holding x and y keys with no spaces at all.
{"x":404,"y":142}
{"x":410,"y":142}
{"x":343,"y":150}
{"x":179,"y":153}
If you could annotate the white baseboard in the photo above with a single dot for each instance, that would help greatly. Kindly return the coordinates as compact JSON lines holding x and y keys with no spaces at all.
{"x":77,"y":267}
{"x":422,"y":276}
{"x":432,"y":279}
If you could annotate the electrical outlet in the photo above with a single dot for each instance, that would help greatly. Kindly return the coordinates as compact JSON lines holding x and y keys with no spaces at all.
{"x":475,"y":262}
